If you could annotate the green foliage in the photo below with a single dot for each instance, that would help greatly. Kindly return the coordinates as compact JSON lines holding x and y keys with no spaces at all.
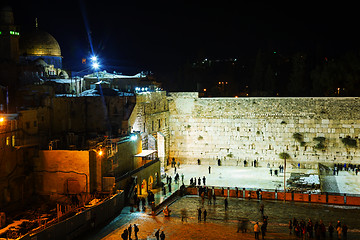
{"x":320,"y":143}
{"x":200,"y":137}
{"x":284,"y":155}
{"x":319,"y":139}
{"x":303,"y":144}
{"x":320,"y":146}
{"x":298,"y":137}
{"x":349,"y":142}
{"x":230,"y":155}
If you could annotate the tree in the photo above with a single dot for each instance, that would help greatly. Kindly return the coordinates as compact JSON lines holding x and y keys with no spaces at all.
{"x":284,"y":156}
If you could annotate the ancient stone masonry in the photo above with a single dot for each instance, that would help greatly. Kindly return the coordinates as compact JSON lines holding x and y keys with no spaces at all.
{"x":311,"y":130}
{"x":151,"y":118}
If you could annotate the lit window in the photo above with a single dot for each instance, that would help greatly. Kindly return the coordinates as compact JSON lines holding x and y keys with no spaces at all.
{"x":7,"y":141}
{"x":13,"y":141}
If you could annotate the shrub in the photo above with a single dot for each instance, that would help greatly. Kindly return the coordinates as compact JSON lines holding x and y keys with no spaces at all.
{"x":349,"y":142}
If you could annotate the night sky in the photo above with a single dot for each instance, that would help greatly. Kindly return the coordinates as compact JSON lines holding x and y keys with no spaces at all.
{"x":144,"y":35}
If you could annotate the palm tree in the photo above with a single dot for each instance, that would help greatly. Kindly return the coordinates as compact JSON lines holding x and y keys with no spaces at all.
{"x":284,"y":156}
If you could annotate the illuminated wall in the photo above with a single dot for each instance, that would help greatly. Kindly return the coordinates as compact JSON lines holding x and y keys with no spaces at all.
{"x":238,"y":129}
{"x":150,"y":117}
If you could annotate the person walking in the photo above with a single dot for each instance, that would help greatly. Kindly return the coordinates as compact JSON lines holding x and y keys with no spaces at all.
{"x":204,"y":180}
{"x":199,"y":181}
{"x":256,"y":230}
{"x":136,"y":230}
{"x":226,"y":203}
{"x":205,"y":214}
{"x":210,"y":170}
{"x":199,"y":214}
{"x":162,"y":235}
{"x":214,"y":197}
{"x":182,"y":178}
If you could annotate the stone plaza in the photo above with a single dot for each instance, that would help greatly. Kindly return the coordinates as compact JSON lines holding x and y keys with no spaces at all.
{"x":223,"y":224}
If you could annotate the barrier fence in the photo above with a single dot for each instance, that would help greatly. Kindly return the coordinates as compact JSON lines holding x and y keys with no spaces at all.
{"x":324,"y":198}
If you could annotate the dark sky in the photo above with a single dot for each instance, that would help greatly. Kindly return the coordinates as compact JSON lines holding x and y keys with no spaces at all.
{"x":160,"y":36}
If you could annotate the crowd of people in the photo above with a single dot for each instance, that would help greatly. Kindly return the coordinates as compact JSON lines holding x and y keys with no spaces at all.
{"x":318,"y":230}
{"x":345,"y":167}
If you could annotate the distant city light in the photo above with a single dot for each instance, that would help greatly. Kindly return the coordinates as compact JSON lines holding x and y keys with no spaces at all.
{"x":2,"y":120}
{"x":94,"y":58}
{"x":100,"y":153}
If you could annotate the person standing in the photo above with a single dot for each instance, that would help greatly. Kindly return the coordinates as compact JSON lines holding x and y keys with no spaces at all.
{"x":178,"y":164}
{"x":214,"y":197}
{"x":205,"y":214}
{"x":182,"y":178}
{"x":199,"y":214}
{"x":263,"y":231}
{"x":210,"y":170}
{"x":157,"y":234}
{"x":130,"y":230}
{"x":344,"y":231}
{"x":256,"y":230}
{"x":204,"y":180}
{"x":162,"y":235}
{"x":338,"y":230}
{"x":331,"y":230}
{"x":136,"y":230}
{"x":199,"y":181}
{"x":226,"y":203}
{"x":125,"y":234}
{"x":290,"y":226}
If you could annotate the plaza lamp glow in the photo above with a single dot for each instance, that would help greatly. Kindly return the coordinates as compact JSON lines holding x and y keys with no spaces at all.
{"x":2,"y":119}
{"x":100,"y":153}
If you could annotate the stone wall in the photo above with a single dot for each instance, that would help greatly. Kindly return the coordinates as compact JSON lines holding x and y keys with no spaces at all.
{"x":238,"y":129}
{"x":150,"y":117}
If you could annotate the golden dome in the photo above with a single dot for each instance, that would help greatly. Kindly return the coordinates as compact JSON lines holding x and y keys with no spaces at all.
{"x":39,"y":43}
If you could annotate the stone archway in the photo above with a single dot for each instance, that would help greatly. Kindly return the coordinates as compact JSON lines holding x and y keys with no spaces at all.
{"x":143,"y":187}
{"x":150,"y":182}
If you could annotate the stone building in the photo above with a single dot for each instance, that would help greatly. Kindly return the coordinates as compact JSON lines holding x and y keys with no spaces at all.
{"x":311,"y":130}
{"x":18,"y":147}
{"x":150,"y":117}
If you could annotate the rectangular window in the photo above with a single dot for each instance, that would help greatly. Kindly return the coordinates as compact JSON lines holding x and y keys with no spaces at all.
{"x":13,"y":141}
{"x":7,"y":141}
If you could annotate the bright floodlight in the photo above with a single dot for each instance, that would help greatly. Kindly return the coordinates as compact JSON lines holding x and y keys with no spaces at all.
{"x":133,"y":137}
{"x":95,"y":65}
{"x":94,"y":58}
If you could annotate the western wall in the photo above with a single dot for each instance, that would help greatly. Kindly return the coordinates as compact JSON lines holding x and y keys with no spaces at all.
{"x":310,"y":130}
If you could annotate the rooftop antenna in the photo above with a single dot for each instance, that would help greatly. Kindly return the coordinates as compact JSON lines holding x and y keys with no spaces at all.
{"x":36,"y":23}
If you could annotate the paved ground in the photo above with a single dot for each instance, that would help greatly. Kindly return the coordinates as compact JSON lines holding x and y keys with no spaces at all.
{"x":222,"y":224}
{"x":250,"y":177}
